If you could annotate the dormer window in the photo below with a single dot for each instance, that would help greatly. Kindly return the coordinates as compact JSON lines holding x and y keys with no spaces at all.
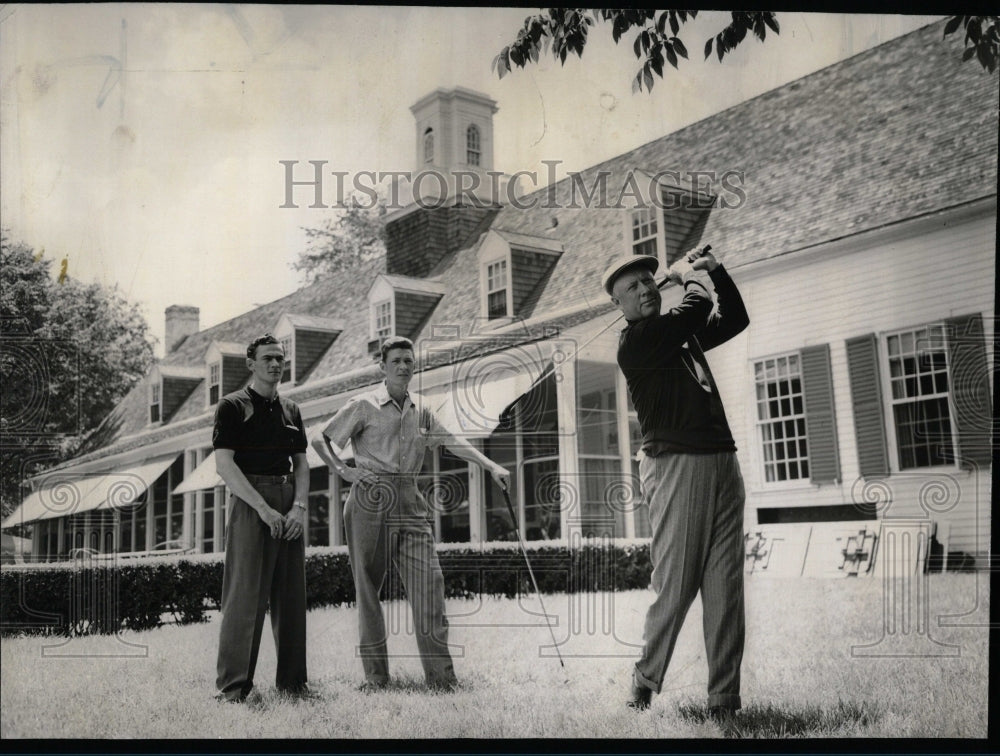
{"x":429,"y":145}
{"x":154,"y":402}
{"x":224,"y":370}
{"x":514,"y":270}
{"x":214,"y":382}
{"x":668,"y":219}
{"x":304,"y":340}
{"x":496,"y":290}
{"x":400,"y":306}
{"x":473,"y":147}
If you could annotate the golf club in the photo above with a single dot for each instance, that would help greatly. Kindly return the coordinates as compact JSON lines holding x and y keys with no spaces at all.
{"x":524,"y":551}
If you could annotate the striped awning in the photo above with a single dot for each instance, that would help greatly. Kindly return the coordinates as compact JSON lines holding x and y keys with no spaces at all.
{"x":67,"y":493}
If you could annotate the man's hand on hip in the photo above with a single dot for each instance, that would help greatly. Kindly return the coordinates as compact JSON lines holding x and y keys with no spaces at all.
{"x":295,"y":523}
{"x":357,"y":475}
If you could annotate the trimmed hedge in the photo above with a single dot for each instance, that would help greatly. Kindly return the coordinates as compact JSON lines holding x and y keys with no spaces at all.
{"x":67,"y":599}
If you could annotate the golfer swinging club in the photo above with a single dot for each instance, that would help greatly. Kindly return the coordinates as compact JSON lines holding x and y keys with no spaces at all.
{"x":386,"y":517}
{"x":688,"y":469}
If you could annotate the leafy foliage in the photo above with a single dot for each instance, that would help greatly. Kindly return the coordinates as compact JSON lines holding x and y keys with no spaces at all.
{"x":982,"y":38}
{"x":356,"y":235}
{"x":71,"y":352}
{"x":656,"y":38}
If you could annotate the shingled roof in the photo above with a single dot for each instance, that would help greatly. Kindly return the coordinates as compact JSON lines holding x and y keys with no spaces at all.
{"x":900,"y":131}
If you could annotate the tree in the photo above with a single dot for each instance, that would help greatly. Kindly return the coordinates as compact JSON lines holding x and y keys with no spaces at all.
{"x":70,"y":352}
{"x":656,"y":40}
{"x":355,"y":236}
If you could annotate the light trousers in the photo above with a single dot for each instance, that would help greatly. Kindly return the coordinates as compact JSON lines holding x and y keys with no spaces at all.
{"x":696,"y":513}
{"x":388,"y":521}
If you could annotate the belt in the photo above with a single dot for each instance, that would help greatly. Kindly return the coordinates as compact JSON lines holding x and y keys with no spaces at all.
{"x":270,"y":479}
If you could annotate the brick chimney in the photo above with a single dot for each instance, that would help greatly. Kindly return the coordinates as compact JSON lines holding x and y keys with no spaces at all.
{"x":182,"y":321}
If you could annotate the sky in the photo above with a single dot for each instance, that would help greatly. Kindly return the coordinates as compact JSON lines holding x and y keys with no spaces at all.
{"x":161,"y":176}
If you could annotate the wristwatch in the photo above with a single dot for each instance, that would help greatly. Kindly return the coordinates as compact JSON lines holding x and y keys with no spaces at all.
{"x":300,"y":505}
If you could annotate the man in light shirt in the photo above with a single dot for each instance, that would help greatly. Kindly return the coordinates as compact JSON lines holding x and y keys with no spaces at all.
{"x":386,"y":517}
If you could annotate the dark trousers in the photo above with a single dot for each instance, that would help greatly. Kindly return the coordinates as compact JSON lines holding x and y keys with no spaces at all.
{"x":389,"y":521}
{"x":261,"y":570}
{"x":696,"y":510}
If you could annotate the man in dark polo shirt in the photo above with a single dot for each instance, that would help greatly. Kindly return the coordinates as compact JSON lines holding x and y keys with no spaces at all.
{"x":260,"y":452}
{"x":688,"y":469}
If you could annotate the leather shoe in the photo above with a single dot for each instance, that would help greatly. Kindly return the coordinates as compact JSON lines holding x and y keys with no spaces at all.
{"x":640,"y":697}
{"x":251,"y":697}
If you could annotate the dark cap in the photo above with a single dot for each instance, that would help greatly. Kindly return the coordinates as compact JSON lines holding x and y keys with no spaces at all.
{"x":623,"y":263}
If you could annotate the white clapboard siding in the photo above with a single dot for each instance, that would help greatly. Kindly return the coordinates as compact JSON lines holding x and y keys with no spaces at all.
{"x":929,"y":276}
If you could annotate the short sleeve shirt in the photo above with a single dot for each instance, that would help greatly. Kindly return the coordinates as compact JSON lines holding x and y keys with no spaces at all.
{"x":387,"y":437}
{"x":263,"y":433}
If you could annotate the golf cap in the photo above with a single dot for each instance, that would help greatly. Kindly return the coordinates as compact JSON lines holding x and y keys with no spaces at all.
{"x":621,"y":264}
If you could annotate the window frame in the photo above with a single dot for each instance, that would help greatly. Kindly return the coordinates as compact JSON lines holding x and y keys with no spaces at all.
{"x":288,"y":345}
{"x":214,"y":382}
{"x":473,"y":145}
{"x":504,"y":260}
{"x":428,"y":146}
{"x":761,"y":462}
{"x":654,"y":215}
{"x":156,"y":401}
{"x":374,"y":318}
{"x":889,"y":403}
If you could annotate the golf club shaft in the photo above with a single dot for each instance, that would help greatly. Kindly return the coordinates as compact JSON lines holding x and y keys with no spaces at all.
{"x":524,"y":551}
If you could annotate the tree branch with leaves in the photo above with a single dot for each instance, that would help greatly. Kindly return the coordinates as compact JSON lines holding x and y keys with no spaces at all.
{"x":657,"y":41}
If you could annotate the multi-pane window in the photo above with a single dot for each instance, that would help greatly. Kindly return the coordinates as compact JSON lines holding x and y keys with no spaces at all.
{"x":496,"y":289}
{"x":644,"y":231}
{"x":208,"y":522}
{"x":154,"y":403}
{"x":286,"y":346}
{"x":383,"y":319}
{"x":600,"y":497}
{"x":319,"y":506}
{"x":781,"y":418}
{"x":429,"y":146}
{"x":473,"y":150}
{"x":214,"y":382}
{"x":918,"y":374}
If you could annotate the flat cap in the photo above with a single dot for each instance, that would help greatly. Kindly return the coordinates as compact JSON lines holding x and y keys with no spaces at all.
{"x":623,"y":263}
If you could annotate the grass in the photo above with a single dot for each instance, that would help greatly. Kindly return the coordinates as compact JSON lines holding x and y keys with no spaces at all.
{"x":801,"y":678}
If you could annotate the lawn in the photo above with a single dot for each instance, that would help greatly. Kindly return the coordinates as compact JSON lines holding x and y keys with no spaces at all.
{"x":803,"y":675}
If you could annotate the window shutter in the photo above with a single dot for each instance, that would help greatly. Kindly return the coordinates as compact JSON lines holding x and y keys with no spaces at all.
{"x":970,"y":389}
{"x":866,"y":400}
{"x":821,"y":424}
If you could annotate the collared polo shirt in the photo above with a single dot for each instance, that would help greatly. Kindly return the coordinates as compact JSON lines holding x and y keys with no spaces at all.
{"x":387,"y":437}
{"x":263,"y":433}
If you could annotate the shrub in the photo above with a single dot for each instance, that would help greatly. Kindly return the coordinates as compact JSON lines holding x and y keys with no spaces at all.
{"x":70,"y":599}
